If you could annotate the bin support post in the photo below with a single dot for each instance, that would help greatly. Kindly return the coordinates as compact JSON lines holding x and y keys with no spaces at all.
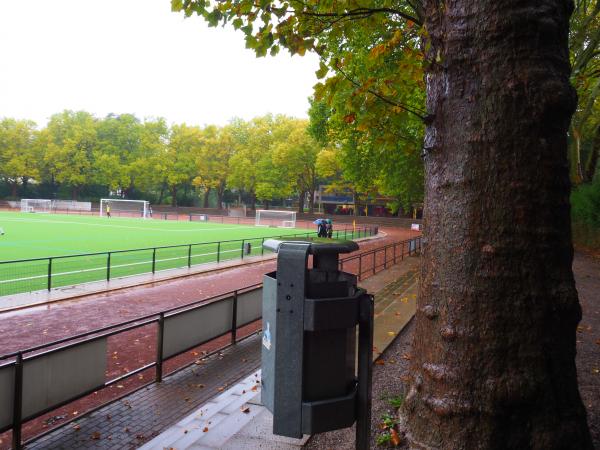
{"x":365,"y":372}
{"x":159,"y":347}
{"x":17,"y":403}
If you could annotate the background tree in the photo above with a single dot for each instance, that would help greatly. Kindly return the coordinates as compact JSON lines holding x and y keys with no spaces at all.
{"x":18,"y":159}
{"x":178,"y":162}
{"x":71,"y":145}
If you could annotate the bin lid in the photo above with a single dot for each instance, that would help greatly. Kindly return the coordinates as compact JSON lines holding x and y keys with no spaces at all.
{"x":318,"y":246}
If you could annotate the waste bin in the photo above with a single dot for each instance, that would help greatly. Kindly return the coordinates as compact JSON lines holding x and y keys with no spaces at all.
{"x":310,"y":380}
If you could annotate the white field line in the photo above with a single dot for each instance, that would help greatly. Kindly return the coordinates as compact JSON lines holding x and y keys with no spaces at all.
{"x":237,"y":227}
{"x":34,"y":277}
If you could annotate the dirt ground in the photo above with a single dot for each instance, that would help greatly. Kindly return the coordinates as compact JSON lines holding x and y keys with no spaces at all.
{"x":390,"y":376}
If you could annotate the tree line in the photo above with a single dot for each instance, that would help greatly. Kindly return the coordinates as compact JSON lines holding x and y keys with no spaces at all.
{"x":265,"y":159}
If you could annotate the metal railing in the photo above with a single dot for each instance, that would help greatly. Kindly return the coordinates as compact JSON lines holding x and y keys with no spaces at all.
{"x":36,"y":274}
{"x":241,"y":316}
{"x":368,"y":263}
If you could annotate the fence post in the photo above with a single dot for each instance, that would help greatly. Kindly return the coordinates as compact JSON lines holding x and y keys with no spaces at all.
{"x":385,"y":257}
{"x":360,"y":267}
{"x":262,"y":247}
{"x":395,"y":248}
{"x":374,"y":260}
{"x":49,"y":274}
{"x":234,"y":318}
{"x":159,"y":347}
{"x":190,"y":256}
{"x":218,"y":251}
{"x":154,"y":260}
{"x":402,"y":251}
{"x":108,"y":267}
{"x":17,"y":403}
{"x":243,"y":248}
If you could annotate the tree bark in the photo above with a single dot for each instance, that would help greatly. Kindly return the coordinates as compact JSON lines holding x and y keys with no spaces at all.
{"x":493,"y":362}
{"x":13,"y":189}
{"x":74,"y":192}
{"x":220,"y":192}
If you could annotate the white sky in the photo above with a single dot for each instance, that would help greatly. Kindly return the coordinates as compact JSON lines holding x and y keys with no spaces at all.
{"x":136,"y":56}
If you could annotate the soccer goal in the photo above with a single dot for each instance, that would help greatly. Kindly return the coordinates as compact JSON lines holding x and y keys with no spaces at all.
{"x":36,"y":205}
{"x":128,"y":208}
{"x":272,"y":218}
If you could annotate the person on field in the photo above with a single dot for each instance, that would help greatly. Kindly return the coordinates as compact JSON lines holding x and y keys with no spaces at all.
{"x":329,"y":228}
{"x":322,"y":229}
{"x":108,"y":211}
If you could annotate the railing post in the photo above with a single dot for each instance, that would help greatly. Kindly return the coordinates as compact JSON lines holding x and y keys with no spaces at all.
{"x":154,"y":260}
{"x":17,"y":403}
{"x":190,"y":256}
{"x":234,"y":318}
{"x":385,"y":257}
{"x":242,"y":248}
{"x":218,"y":251}
{"x":360,"y":267}
{"x":402,"y":251}
{"x":395,"y":248}
{"x":49,"y":274}
{"x":262,"y":247}
{"x":108,"y":267}
{"x":374,"y":259}
{"x":159,"y":347}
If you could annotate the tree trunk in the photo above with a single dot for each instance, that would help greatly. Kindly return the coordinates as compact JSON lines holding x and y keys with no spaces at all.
{"x":162,"y":194}
{"x":253,"y":201}
{"x":74,"y":192}
{"x":266,"y":204}
{"x":592,"y":162}
{"x":493,"y":362}
{"x":220,"y":192}
{"x":13,"y":189}
{"x":174,"y":196}
{"x":301,"y":202}
{"x":205,"y":198}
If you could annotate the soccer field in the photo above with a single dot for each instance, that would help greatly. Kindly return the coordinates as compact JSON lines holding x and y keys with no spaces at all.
{"x":29,"y":235}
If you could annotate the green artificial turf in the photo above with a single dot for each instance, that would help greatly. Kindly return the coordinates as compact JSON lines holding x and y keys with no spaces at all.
{"x":29,"y":236}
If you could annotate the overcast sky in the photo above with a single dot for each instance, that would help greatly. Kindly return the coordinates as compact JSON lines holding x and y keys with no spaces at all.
{"x":136,"y":56}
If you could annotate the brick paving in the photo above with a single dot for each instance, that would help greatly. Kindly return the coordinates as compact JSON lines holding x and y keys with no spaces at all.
{"x":138,"y":417}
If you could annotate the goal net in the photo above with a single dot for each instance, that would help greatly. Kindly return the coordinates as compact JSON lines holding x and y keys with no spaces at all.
{"x":37,"y":205}
{"x":271,"y":218}
{"x":125,"y":208}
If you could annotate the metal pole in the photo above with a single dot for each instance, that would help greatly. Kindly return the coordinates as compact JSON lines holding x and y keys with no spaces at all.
{"x":385,"y":257}
{"x":108,"y":267}
{"x":17,"y":403}
{"x":159,"y":347}
{"x":262,"y":247}
{"x":234,"y":318}
{"x":374,"y":260}
{"x":190,"y":256}
{"x":365,"y":372}
{"x":153,"y":259}
{"x":242,"y":248}
{"x":49,"y":274}
{"x":218,"y":251}
{"x":359,"y":267}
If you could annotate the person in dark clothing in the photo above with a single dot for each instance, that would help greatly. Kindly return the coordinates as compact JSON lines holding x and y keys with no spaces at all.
{"x":329,"y":228}
{"x":322,"y":229}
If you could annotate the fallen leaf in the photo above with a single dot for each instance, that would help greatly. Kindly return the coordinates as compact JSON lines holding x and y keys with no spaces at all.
{"x":380,"y":362}
{"x":395,"y":437}
{"x":254,"y":388}
{"x":245,"y":409}
{"x":139,"y":436}
{"x":95,"y":435}
{"x":391,"y":333}
{"x":205,"y":429}
{"x":220,"y":389}
{"x":75,"y":413}
{"x":406,"y":356}
{"x":76,"y":427}
{"x":120,"y":386}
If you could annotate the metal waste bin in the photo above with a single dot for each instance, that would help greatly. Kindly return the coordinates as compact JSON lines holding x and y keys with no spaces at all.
{"x":310,"y":380}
